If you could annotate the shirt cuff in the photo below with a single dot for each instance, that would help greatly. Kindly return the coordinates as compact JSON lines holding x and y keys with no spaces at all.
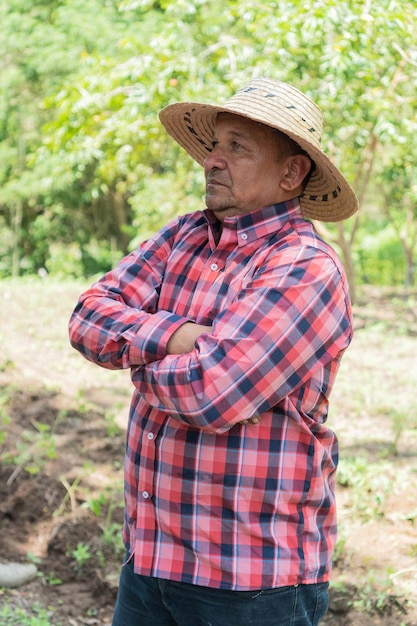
{"x":150,"y":344}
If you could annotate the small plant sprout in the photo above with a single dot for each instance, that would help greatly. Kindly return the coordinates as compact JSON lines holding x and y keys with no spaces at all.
{"x":81,"y":554}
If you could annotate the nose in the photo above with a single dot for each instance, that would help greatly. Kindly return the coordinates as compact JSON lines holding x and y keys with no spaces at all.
{"x":214,"y":160}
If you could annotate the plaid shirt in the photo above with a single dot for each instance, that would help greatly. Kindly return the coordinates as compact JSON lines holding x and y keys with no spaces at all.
{"x":210,"y":501}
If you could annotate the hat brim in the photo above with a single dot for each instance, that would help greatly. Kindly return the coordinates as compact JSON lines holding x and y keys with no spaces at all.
{"x":327,"y":197}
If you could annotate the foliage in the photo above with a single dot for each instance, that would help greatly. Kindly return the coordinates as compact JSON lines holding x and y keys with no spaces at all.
{"x":380,"y":258}
{"x":85,"y":163}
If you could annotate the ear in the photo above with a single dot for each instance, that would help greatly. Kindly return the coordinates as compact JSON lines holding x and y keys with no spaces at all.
{"x":296,"y":169}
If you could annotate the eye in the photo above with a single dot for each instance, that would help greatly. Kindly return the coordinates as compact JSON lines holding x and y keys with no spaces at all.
{"x":214,"y":143}
{"x":236,"y":145}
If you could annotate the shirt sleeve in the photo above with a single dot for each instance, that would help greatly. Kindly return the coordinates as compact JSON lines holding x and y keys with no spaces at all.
{"x":116,"y":323}
{"x":290,"y":321}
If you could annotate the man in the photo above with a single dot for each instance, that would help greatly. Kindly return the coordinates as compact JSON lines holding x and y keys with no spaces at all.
{"x":233,"y":321}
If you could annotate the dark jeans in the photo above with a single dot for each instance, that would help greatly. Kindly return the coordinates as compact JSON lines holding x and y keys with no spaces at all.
{"x":144,"y":601}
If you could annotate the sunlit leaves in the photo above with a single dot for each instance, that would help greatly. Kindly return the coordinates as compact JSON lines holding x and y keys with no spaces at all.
{"x":84,"y":82}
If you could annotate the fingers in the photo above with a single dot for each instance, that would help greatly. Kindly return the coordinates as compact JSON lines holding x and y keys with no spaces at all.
{"x":251,"y":420}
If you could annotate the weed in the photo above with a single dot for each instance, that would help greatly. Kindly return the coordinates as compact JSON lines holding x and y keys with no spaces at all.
{"x":413,"y":550}
{"x":370,"y":484}
{"x":4,"y":421}
{"x":81,"y":554}
{"x":32,"y":558}
{"x":113,"y":430}
{"x":52,"y":579}
{"x":113,"y":499}
{"x":4,"y":418}
{"x":33,"y":450}
{"x":7,"y":365}
{"x":82,"y":404}
{"x":95,"y":505}
{"x":11,"y":616}
{"x":112,"y":537}
{"x":110,"y":498}
{"x":399,"y":422}
{"x":339,"y":548}
{"x":373,"y":597}
{"x":61,"y":417}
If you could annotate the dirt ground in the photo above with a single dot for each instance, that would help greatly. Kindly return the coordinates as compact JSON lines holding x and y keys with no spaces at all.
{"x":62,"y":446}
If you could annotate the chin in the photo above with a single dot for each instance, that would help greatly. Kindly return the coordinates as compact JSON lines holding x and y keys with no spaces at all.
{"x":222,"y":213}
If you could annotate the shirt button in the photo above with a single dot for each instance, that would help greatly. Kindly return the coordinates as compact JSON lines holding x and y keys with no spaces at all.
{"x":150,"y":436}
{"x":214,"y":267}
{"x":244,"y":236}
{"x":145,"y":495}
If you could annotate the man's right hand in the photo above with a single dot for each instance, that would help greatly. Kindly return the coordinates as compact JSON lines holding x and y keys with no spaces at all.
{"x":183,"y":339}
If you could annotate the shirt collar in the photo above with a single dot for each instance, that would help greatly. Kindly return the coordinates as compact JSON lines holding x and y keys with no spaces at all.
{"x":259,"y":223}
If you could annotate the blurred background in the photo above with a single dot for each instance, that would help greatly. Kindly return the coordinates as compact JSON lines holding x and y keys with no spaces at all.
{"x":87,"y":173}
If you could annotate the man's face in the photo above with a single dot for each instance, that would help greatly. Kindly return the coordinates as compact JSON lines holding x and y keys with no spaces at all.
{"x":243,"y":171}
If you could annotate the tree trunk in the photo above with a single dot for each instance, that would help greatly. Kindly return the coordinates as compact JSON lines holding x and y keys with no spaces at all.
{"x":346,"y":254}
{"x":16,"y":222}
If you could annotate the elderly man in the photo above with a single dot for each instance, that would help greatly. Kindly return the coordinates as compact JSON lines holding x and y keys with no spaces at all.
{"x":233,"y":321}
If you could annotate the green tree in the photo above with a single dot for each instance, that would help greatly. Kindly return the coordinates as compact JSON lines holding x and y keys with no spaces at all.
{"x":399,"y":189}
{"x":104,"y":171}
{"x":43,"y":44}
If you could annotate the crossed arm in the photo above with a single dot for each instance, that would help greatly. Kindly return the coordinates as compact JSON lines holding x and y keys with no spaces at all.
{"x":183,"y":340}
{"x":281,"y":329}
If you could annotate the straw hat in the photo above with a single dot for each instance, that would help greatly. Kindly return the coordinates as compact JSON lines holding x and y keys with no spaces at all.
{"x":327,"y":196}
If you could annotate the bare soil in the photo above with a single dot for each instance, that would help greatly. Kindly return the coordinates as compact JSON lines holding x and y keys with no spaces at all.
{"x":62,"y":437}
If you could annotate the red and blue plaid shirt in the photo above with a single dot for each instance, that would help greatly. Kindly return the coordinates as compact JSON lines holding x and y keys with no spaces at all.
{"x":211,"y":501}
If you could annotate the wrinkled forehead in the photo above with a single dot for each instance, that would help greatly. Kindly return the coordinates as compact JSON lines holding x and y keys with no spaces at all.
{"x":233,"y":125}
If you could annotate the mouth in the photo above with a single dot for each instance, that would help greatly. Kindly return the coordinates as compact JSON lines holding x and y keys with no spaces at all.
{"x":212,"y":182}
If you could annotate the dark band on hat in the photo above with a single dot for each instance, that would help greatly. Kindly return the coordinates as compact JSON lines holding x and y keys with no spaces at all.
{"x":188,"y":123}
{"x":324,"y":198}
